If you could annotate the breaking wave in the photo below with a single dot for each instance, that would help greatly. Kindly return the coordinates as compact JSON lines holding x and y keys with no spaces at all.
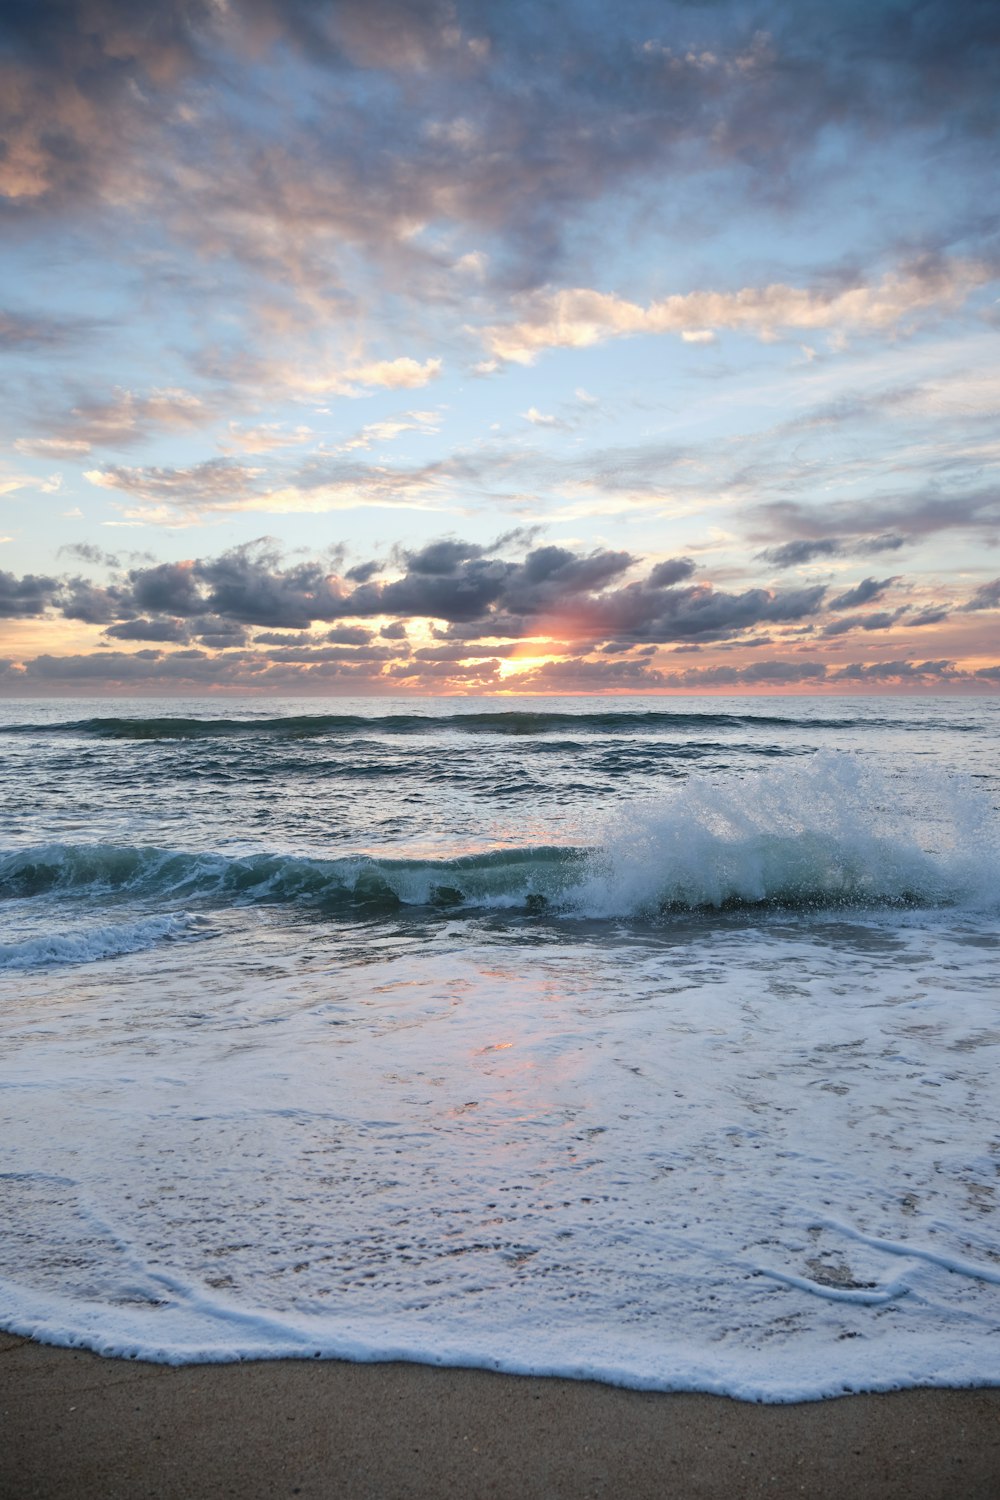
{"x":831,"y":835}
{"x":87,"y":945}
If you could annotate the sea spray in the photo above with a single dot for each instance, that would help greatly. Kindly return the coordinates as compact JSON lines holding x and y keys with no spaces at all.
{"x":829,"y":833}
{"x":834,"y":832}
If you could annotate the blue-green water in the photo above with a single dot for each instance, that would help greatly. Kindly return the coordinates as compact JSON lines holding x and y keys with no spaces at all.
{"x":654,"y":1039}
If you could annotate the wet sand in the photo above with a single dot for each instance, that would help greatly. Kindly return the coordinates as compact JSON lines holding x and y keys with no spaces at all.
{"x":76,"y":1425}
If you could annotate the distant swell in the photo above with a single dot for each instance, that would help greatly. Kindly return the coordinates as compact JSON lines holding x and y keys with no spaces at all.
{"x":520,"y":723}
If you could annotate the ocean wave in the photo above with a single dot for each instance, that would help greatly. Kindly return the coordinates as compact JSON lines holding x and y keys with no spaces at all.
{"x":87,"y":945}
{"x":515,"y":723}
{"x":830,"y":834}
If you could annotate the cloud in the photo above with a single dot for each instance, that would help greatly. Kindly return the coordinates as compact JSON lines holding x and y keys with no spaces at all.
{"x":845,"y":527}
{"x":551,"y":590}
{"x":264,"y":439}
{"x":793,"y":554}
{"x":149,"y":630}
{"x":577,"y":318}
{"x":348,"y":635}
{"x":27,"y":596}
{"x":582,"y":676}
{"x":883,"y":620}
{"x":315,"y":378}
{"x":387,"y":431}
{"x":202,"y":485}
{"x":65,"y":448}
{"x":402,"y":374}
{"x":899,"y":671}
{"x":987,"y":596}
{"x":87,"y":552}
{"x":122,"y":421}
{"x":505,"y":123}
{"x":783,"y":673}
{"x":79,"y":599}
{"x":167,"y":588}
{"x":862,"y":593}
{"x":770,"y":673}
{"x":171,"y":496}
{"x":22,"y":331}
{"x":928,"y":617}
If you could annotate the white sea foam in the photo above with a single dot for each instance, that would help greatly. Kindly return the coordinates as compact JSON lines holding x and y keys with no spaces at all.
{"x":87,"y":944}
{"x":832,"y":832}
{"x":753,"y":1161}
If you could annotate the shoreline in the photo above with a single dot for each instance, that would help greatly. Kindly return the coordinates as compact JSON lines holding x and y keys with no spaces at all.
{"x":80,"y":1425}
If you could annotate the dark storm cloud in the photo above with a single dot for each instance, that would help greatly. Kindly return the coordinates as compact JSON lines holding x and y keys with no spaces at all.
{"x":348,"y":635}
{"x":149,"y":630}
{"x":155,"y":669}
{"x":318,"y":654}
{"x":580,"y":675}
{"x":27,"y":596}
{"x":789,"y":673}
{"x":218,"y":635}
{"x":472,"y":651}
{"x":108,"y":666}
{"x":552,"y":590}
{"x":455,"y":580}
{"x":987,"y":596}
{"x":641,"y":613}
{"x":282,"y":638}
{"x":881,"y":621}
{"x":247,"y":585}
{"x":168,"y":588}
{"x":82,"y":600}
{"x":362,"y":572}
{"x":467,"y":593}
{"x":928,"y":617}
{"x":845,"y":527}
{"x":674,"y":570}
{"x":759,"y":673}
{"x":862,"y":593}
{"x":794,"y":554}
{"x":898,"y":671}
{"x":193,"y":669}
{"x":559,"y":589}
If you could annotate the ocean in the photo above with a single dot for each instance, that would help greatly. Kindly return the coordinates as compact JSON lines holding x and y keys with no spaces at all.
{"x":646,"y":1040}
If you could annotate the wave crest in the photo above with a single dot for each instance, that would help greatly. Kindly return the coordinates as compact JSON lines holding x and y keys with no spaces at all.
{"x":87,"y":945}
{"x":521,"y":723}
{"x":831,"y":834}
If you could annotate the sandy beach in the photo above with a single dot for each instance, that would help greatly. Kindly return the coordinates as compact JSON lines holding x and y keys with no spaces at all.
{"x":77,"y":1425}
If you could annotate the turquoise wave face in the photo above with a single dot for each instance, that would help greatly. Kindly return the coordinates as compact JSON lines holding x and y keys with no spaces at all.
{"x":665,"y":868}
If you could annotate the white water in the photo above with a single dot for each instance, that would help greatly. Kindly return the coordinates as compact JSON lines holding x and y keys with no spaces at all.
{"x":754,"y":1152}
{"x":756,"y":1162}
{"x":94,"y":941}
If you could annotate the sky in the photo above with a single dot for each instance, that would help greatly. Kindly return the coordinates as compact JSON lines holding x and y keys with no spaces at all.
{"x":406,"y":346}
